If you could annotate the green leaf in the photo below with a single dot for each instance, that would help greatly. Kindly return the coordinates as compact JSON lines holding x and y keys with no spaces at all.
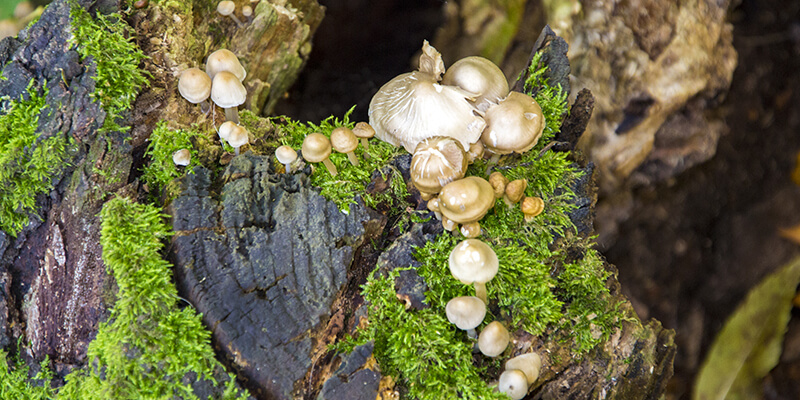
{"x":750,"y":343}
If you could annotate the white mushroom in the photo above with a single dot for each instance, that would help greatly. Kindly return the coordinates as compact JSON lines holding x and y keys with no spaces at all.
{"x":479,"y":76}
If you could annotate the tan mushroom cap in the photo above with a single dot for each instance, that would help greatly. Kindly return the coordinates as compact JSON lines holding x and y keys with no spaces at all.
{"x":363,"y":130}
{"x":473,"y":261}
{"x":226,"y":129}
{"x":513,"y":383}
{"x":531,"y":207}
{"x":238,"y":137}
{"x":343,"y":139}
{"x":285,"y":154}
{"x":466,"y":200}
{"x":247,"y":10}
{"x":494,"y":339}
{"x":227,"y":90}
{"x":316,"y":147}
{"x":226,"y":7}
{"x":466,"y":312}
{"x":529,"y":363}
{"x":182,"y":157}
{"x":224,"y":60}
{"x":514,"y":125}
{"x":194,"y":85}
{"x":437,"y":161}
{"x":479,"y":76}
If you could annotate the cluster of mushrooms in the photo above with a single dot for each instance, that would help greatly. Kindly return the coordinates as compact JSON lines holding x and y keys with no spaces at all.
{"x":226,"y":8}
{"x":317,"y":147}
{"x":222,"y":82}
{"x":473,"y":262}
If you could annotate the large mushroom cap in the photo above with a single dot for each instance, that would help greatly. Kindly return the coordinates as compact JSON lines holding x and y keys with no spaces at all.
{"x":316,"y":147}
{"x":473,"y":261}
{"x":479,"y":76}
{"x":466,"y":312}
{"x":514,"y":125}
{"x":224,"y":60}
{"x":194,"y":85}
{"x":227,"y":90}
{"x":466,"y":200}
{"x":437,"y":161}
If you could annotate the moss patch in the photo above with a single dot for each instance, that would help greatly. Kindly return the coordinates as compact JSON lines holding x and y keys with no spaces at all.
{"x":15,"y":382}
{"x":163,"y":143}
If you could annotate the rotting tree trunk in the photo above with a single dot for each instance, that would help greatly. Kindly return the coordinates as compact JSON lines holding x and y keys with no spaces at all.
{"x":272,"y":324}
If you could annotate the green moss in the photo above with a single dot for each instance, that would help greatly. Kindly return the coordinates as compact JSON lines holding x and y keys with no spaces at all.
{"x":16,"y":384}
{"x":163,"y":143}
{"x":106,"y":40}
{"x":149,"y":345}
{"x":552,"y":99}
{"x":28,"y":161}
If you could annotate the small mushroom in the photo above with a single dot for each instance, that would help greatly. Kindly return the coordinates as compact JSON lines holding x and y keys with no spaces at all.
{"x":194,"y":85}
{"x":364,"y":131}
{"x":226,"y":8}
{"x":514,"y":191}
{"x":514,"y":125}
{"x":224,"y":60}
{"x":343,"y":140}
{"x":317,"y":148}
{"x":234,"y":134}
{"x":286,"y":156}
{"x":498,"y":182}
{"x":247,"y":12}
{"x":531,"y":207}
{"x":228,"y":92}
{"x":493,"y":339}
{"x":466,"y":200}
{"x":433,"y":205}
{"x":479,"y":76}
{"x":529,"y":363}
{"x":182,"y":157}
{"x":513,"y":383}
{"x":466,"y":312}
{"x":437,"y":161}
{"x":473,"y":262}
{"x":475,"y":151}
{"x":470,"y":230}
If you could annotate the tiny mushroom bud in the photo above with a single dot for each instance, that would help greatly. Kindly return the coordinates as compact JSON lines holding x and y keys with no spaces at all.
{"x":531,"y":207}
{"x":513,"y":383}
{"x":194,"y":85}
{"x":433,"y":205}
{"x":344,"y":141}
{"x":474,"y":262}
{"x":226,"y":8}
{"x":247,"y":11}
{"x":494,"y":339}
{"x":514,"y":191}
{"x":182,"y":157}
{"x":238,"y":138}
{"x":466,"y":312}
{"x":475,"y":151}
{"x":437,"y":161}
{"x":466,"y":200}
{"x":514,"y":125}
{"x":364,"y":131}
{"x":286,"y":156}
{"x":471,"y":229}
{"x":530,"y":364}
{"x":498,"y":182}
{"x":224,"y":60}
{"x":479,"y":76}
{"x":228,"y":92}
{"x":317,"y":148}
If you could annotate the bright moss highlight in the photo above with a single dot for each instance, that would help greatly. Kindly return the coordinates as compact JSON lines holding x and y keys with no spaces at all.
{"x":350,"y":182}
{"x":118,"y":79}
{"x":15,"y":382}
{"x":163,"y":143}
{"x":149,"y":346}
{"x":552,"y":99}
{"x":28,"y":160}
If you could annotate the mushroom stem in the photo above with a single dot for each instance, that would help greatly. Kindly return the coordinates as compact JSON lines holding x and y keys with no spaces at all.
{"x":480,"y":291}
{"x":205,"y":106}
{"x":236,"y":151}
{"x":495,"y":158}
{"x":472,"y":333}
{"x":329,"y":165}
{"x":365,"y":144}
{"x":232,"y":114}
{"x":352,"y":157}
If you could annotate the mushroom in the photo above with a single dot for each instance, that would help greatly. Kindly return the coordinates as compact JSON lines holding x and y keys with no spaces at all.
{"x":474,"y":262}
{"x":514,"y":191}
{"x":513,"y":383}
{"x":437,"y":161}
{"x":433,"y":205}
{"x":344,"y":141}
{"x":234,"y":134}
{"x":479,"y":76}
{"x":194,"y":85}
{"x":493,"y":339}
{"x":226,"y":8}
{"x":415,"y":106}
{"x":317,"y":148}
{"x":182,"y":157}
{"x":475,"y":151}
{"x":466,"y":200}
{"x":514,"y":125}
{"x":224,"y":60}
{"x":247,"y":11}
{"x":364,"y":131}
{"x":466,"y":312}
{"x":228,"y":92}
{"x":531,"y":207}
{"x":286,"y":156}
{"x":530,"y":364}
{"x":498,"y":182}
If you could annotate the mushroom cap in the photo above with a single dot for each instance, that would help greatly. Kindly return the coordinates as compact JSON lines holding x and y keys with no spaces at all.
{"x":363,"y":130}
{"x":516,"y":189}
{"x":466,"y":312}
{"x":473,"y":261}
{"x":238,"y":137}
{"x":466,"y":200}
{"x":316,"y":147}
{"x":182,"y":157}
{"x":226,"y":7}
{"x":343,"y":139}
{"x":437,"y":161}
{"x":194,"y":85}
{"x":529,"y":363}
{"x":285,"y":154}
{"x":227,"y":90}
{"x":514,"y":125}
{"x":247,"y":10}
{"x":493,"y":339}
{"x":479,"y":76}
{"x":226,"y":128}
{"x":513,"y":383}
{"x":224,"y":60}
{"x":532,"y":206}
